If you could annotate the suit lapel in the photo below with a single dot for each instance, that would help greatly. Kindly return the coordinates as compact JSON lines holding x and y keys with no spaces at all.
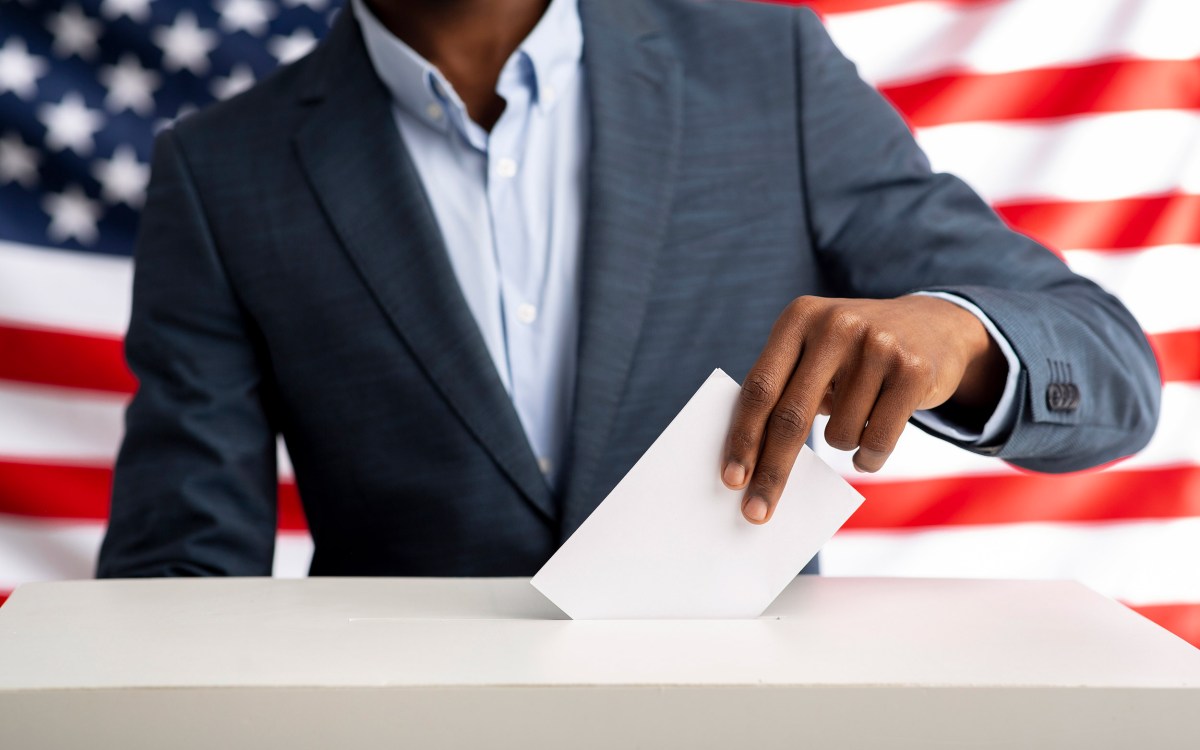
{"x":364,"y":179}
{"x":635,"y":90}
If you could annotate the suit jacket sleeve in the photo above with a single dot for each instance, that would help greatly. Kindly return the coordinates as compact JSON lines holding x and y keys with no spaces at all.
{"x":885,"y":225}
{"x":195,"y":481}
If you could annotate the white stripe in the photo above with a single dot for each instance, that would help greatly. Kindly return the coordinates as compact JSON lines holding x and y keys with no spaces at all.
{"x":1085,"y":158}
{"x":921,"y":456}
{"x":53,"y":424}
{"x":920,"y":39}
{"x":1146,"y":562}
{"x":86,"y":292}
{"x":1159,"y":285}
{"x":293,"y":554}
{"x":35,"y":550}
{"x":64,"y":425}
{"x":283,"y":461}
{"x":32,"y":550}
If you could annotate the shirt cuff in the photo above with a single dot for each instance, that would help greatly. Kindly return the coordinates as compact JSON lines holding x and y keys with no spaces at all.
{"x":1000,"y":423}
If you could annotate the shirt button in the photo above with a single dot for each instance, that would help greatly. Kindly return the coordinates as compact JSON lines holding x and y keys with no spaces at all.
{"x":506,"y":167}
{"x":434,"y":111}
{"x":526,"y":313}
{"x":545,"y":466}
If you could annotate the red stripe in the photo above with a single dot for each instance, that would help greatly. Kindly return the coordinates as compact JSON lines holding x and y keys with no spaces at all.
{"x":1022,"y":498}
{"x":1181,"y":619}
{"x":291,"y":511}
{"x":1043,"y":93}
{"x":54,"y":491}
{"x":61,"y":358}
{"x":82,"y":493}
{"x":1178,"y":355}
{"x":4,"y":596}
{"x":1127,"y":224}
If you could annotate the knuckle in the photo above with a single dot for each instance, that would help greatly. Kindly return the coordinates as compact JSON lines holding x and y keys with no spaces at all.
{"x":845,"y":323}
{"x":909,"y":370}
{"x":769,"y":477}
{"x":788,"y":422}
{"x":741,"y":443}
{"x":758,"y":390}
{"x":840,"y":438}
{"x":881,"y":344}
{"x":912,"y":368}
{"x":801,"y":307}
{"x":798,"y":316}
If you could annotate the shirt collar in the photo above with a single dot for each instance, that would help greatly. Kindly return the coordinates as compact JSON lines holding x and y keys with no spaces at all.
{"x":552,"y":50}
{"x":554,"y":47}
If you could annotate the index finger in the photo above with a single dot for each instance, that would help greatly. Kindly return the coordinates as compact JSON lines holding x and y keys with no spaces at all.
{"x":761,"y":390}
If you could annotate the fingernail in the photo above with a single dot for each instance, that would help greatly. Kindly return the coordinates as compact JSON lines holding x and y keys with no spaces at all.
{"x":734,"y":475}
{"x":755,"y":509}
{"x":858,"y":456}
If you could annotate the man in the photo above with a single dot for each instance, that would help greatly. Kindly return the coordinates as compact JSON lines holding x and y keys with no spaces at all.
{"x":470,"y":257}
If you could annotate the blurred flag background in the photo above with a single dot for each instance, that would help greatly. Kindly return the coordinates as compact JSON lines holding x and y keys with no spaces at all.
{"x":1078,"y":120}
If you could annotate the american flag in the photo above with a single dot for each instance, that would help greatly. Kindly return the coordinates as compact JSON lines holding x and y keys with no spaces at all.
{"x":1078,"y":121}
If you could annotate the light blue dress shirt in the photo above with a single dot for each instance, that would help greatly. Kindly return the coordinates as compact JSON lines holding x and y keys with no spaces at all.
{"x":510,"y":205}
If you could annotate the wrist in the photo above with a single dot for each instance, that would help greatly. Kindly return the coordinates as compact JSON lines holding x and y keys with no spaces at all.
{"x":983,"y":377}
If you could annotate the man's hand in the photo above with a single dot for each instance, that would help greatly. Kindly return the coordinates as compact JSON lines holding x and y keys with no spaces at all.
{"x":868,"y":364}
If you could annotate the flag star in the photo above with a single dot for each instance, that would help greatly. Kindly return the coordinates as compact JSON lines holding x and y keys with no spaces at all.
{"x":285,"y":49}
{"x":122,"y":178}
{"x":130,"y":86}
{"x":20,"y":70}
{"x":18,"y":161}
{"x":74,"y":33}
{"x":72,"y":216}
{"x":137,"y":10}
{"x":185,"y":45}
{"x":317,"y":5}
{"x":251,"y":16}
{"x":238,"y":80}
{"x":70,"y":124}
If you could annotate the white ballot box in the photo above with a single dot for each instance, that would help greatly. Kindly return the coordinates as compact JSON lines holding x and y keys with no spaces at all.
{"x":489,"y":663}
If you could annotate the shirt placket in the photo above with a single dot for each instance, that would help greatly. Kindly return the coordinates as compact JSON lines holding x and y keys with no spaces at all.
{"x":521,"y":262}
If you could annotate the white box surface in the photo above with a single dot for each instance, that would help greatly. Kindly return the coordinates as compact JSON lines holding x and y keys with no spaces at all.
{"x":468,"y":663}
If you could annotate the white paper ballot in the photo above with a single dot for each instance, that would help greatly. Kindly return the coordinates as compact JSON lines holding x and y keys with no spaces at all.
{"x":670,"y":540}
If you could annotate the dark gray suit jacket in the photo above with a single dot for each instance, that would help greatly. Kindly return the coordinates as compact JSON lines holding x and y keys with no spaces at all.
{"x":290,"y":278}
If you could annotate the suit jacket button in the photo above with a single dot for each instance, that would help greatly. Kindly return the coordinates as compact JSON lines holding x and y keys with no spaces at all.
{"x":1062,"y":396}
{"x":1056,"y":397}
{"x":1072,"y":397}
